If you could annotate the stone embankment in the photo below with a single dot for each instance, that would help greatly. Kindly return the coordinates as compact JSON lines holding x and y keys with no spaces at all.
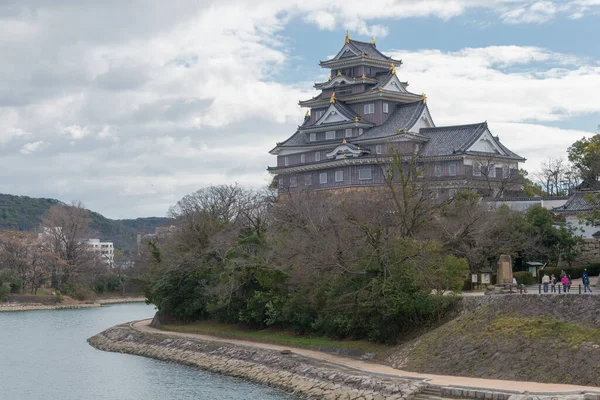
{"x":304,"y":376}
{"x":32,"y":306}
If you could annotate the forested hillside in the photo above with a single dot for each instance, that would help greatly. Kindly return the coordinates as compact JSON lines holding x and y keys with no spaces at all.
{"x":25,"y":214}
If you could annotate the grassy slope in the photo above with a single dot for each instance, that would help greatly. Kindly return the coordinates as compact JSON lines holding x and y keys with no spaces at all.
{"x":284,"y":338}
{"x":510,"y":343}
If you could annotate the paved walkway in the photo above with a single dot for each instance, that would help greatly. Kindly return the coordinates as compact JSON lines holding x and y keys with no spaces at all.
{"x":442,"y":380}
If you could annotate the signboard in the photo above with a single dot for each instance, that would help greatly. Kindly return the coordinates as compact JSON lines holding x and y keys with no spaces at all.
{"x":473,"y":278}
{"x":486,"y":278}
{"x":533,"y":271}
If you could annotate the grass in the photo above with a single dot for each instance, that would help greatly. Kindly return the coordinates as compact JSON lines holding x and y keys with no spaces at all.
{"x":278,"y":337}
{"x":538,"y":328}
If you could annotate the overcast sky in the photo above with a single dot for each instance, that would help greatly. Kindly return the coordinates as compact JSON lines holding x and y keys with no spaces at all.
{"x":129,"y":105}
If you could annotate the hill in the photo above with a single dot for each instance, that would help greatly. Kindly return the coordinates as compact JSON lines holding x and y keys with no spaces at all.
{"x":25,"y":214}
{"x":541,"y":338}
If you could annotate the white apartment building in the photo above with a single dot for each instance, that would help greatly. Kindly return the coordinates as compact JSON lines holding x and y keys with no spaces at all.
{"x":106,"y":250}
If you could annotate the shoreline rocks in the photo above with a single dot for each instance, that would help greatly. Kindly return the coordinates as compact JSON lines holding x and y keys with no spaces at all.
{"x":304,"y":376}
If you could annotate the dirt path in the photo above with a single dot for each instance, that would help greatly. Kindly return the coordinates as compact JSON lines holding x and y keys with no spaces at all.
{"x":369,"y":367}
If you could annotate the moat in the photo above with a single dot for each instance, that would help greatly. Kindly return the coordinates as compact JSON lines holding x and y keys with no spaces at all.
{"x":45,"y":355}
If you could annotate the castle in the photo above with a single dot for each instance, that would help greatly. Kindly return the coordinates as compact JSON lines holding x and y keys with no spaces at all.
{"x":365,"y":114}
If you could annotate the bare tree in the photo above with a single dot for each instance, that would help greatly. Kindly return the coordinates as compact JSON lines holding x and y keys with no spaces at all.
{"x":65,"y":231}
{"x":499,"y":180}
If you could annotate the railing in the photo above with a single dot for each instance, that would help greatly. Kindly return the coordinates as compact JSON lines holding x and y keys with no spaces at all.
{"x":561,"y":289}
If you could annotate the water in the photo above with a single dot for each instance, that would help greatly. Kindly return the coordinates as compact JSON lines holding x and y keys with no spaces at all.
{"x":44,"y":355}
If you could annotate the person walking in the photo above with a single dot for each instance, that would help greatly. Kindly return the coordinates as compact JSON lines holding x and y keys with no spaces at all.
{"x":553,"y":283}
{"x":545,"y":282}
{"x":586,"y":281}
{"x":565,"y":282}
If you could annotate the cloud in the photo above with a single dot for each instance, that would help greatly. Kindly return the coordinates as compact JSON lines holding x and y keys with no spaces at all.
{"x":537,"y":13}
{"x":30,"y":148}
{"x":132,"y":115}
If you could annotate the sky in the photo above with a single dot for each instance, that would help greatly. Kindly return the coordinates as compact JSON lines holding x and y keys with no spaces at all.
{"x":129,"y":106}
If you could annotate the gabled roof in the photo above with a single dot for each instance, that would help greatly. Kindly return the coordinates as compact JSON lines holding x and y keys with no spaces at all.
{"x":370,"y":49}
{"x":578,"y":203}
{"x":404,"y":116}
{"x":457,"y":139}
{"x":359,"y":48}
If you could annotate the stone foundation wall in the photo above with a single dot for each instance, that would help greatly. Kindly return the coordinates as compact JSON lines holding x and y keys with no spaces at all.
{"x":307,"y":377}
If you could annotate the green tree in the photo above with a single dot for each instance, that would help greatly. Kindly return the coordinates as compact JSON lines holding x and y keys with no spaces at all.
{"x":585,"y":156}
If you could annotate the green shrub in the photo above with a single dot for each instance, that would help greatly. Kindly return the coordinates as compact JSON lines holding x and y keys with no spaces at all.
{"x":524,"y":278}
{"x":4,"y":290}
{"x":59,"y":296}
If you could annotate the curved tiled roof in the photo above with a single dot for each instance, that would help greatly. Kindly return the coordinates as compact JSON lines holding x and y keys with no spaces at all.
{"x":578,"y":203}
{"x":457,"y":139}
{"x":404,"y":116}
{"x":370,"y":49}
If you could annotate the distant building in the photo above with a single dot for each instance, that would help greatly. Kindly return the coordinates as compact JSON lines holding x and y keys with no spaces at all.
{"x":365,"y":114}
{"x":159,"y":232}
{"x":105,"y":250}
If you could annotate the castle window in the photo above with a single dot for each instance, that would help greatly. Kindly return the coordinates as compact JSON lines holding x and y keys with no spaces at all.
{"x":323,"y":178}
{"x":313,"y":137}
{"x":378,"y":149}
{"x":349,"y":132}
{"x":365,"y":174}
{"x":505,"y":172}
{"x":369,"y":108}
{"x":319,"y":114}
{"x":339,"y":176}
{"x":438,"y":170}
{"x":293,"y":181}
{"x":329,"y":135}
{"x":476,"y":169}
{"x":452,"y":169}
{"x":302,"y":158}
{"x":307,"y":180}
{"x":360,"y":131}
{"x":491,"y":171}
{"x":286,"y":161}
{"x":385,"y":108}
{"x":317,"y":156}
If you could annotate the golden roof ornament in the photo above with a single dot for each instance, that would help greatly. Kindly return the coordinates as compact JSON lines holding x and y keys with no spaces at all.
{"x":424,"y":98}
{"x":339,"y":73}
{"x":381,"y":89}
{"x":329,"y":77}
{"x":373,"y":40}
{"x":277,"y":143}
{"x":355,"y":119}
{"x":362,"y":54}
{"x":364,"y":76}
{"x":344,"y":141}
{"x":307,"y":114}
{"x":347,"y":38}
{"x":332,"y":98}
{"x":362,"y":118}
{"x":397,"y":131}
{"x":393,"y":69}
{"x":405,"y":130}
{"x":345,"y":155}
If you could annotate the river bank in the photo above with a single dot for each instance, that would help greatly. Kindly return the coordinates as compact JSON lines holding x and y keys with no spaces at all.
{"x":69,"y":305}
{"x":313,"y":374}
{"x":302,"y":375}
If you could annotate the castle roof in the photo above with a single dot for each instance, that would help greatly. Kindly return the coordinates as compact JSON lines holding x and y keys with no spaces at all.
{"x":578,"y":203}
{"x":355,"y":49}
{"x":404,"y":116}
{"x":458,"y":139}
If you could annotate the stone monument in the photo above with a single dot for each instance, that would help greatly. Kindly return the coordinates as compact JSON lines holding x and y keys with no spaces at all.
{"x":504,"y":280}
{"x":505,"y":273}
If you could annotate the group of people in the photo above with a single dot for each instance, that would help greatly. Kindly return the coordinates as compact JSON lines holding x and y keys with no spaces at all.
{"x":565,"y":281}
